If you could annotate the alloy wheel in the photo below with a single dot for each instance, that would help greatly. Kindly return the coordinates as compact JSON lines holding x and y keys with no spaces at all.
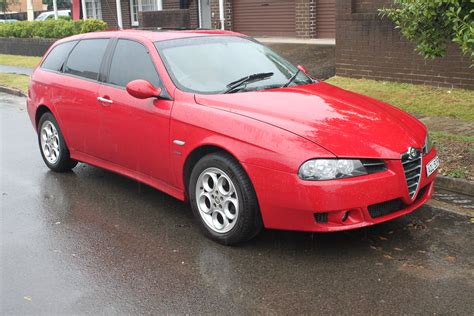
{"x":50,"y":144}
{"x":217,"y":200}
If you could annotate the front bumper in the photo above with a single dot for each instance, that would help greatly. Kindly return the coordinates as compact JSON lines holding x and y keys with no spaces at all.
{"x":289,"y":203}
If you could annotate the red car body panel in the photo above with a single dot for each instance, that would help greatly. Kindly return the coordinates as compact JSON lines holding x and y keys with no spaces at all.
{"x":271,"y":133}
{"x":341,"y":120}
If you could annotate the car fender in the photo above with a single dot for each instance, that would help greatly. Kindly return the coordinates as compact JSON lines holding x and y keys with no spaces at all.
{"x":250,"y":141}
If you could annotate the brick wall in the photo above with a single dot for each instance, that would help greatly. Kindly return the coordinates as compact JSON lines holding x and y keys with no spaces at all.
{"x":215,"y":17}
{"x":368,"y":46}
{"x":168,"y":18}
{"x":109,"y":13}
{"x":20,"y":6}
{"x":193,"y":10}
{"x":305,"y":18}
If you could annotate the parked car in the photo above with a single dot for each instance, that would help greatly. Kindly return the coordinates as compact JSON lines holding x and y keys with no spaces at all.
{"x":8,"y":20}
{"x":217,"y":119}
{"x":50,"y":15}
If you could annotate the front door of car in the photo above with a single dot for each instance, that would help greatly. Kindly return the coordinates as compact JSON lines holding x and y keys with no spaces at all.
{"x":134,"y":132}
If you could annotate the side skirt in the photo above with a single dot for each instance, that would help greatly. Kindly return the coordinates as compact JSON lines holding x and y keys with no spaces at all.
{"x":153,"y":182}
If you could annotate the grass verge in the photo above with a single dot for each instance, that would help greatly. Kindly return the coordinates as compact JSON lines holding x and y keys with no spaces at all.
{"x":17,"y":60}
{"x":19,"y":82}
{"x":415,"y":99}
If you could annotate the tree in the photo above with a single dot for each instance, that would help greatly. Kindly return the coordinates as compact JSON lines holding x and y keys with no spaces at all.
{"x":5,"y":5}
{"x":431,"y":24}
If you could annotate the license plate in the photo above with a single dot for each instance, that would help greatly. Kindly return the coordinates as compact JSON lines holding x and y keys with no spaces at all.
{"x":432,"y":166}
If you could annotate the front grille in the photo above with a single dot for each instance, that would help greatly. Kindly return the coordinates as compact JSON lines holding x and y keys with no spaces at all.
{"x":392,"y":206}
{"x":412,"y":167}
{"x":373,"y":165}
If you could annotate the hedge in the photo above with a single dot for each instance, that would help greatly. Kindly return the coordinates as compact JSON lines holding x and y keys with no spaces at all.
{"x":50,"y":28}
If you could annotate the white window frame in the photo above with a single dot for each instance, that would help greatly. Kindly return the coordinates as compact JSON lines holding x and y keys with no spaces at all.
{"x":158,"y":6}
{"x":96,"y":9}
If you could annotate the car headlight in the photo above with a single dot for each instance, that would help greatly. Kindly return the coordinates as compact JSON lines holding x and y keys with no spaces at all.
{"x":428,"y":144}
{"x":327,"y":169}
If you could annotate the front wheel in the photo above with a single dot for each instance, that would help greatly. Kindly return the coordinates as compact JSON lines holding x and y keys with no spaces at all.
{"x":52,"y":146}
{"x":223,"y":200}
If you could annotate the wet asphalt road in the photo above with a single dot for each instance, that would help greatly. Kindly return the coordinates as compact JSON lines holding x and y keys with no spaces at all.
{"x":94,"y":242}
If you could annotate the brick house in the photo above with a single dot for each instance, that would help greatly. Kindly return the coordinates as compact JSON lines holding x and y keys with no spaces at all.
{"x":20,"y":6}
{"x":281,"y":18}
{"x":367,"y":45}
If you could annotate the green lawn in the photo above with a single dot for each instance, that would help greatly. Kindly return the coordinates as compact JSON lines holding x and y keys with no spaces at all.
{"x":416,"y":99}
{"x":17,"y":60}
{"x":19,"y":82}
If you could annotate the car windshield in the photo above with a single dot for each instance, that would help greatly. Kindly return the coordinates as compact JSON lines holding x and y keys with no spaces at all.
{"x":208,"y":64}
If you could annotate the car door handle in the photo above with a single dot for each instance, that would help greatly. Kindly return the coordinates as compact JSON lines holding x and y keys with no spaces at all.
{"x":101,"y":99}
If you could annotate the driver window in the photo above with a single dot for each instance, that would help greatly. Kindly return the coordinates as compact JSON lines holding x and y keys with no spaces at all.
{"x":131,"y":61}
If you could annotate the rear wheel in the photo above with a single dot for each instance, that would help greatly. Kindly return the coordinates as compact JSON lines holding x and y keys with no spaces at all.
{"x":223,"y":200}
{"x":52,"y":146}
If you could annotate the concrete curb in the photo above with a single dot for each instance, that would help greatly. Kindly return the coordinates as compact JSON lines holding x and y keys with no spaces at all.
{"x":13,"y":91}
{"x":455,"y":185}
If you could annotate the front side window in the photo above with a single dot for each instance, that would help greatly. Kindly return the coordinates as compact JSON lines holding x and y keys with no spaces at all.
{"x":131,"y":61}
{"x":55,"y":59}
{"x":86,"y":58}
{"x":209,"y":64}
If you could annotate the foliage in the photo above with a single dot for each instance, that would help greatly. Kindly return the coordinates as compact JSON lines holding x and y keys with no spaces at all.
{"x":50,"y":28}
{"x":431,"y":24}
{"x":5,"y":4}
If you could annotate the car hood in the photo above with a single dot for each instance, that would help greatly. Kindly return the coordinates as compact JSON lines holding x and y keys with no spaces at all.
{"x":345,"y":123}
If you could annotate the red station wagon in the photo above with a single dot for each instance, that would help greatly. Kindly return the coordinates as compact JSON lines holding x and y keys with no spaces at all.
{"x":219,"y":120}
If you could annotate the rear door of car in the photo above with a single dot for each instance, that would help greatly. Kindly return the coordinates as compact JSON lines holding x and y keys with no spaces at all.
{"x":77,"y":102}
{"x":134,"y":132}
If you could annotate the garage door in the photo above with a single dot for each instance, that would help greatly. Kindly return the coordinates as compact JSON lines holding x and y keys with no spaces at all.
{"x":264,"y":17}
{"x":326,"y":19}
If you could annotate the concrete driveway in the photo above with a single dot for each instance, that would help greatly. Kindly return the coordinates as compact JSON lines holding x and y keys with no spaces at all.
{"x":94,"y":242}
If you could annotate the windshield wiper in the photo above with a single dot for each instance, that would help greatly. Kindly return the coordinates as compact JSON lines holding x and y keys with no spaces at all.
{"x":234,"y":85}
{"x":292,"y":79}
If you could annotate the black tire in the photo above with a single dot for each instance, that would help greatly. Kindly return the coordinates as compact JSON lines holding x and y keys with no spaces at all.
{"x":249,"y":222}
{"x":64,"y":162}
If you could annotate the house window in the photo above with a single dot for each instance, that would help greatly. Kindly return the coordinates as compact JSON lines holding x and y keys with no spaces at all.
{"x":93,"y":9}
{"x":140,"y":6}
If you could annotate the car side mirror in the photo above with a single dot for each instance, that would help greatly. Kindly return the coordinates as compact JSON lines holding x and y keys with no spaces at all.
{"x":302,"y":69}
{"x":142,"y":89}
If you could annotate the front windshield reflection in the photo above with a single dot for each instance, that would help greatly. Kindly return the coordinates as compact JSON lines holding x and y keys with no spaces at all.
{"x":208,"y":64}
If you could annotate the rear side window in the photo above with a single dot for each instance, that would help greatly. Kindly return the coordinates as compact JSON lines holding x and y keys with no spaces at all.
{"x":86,"y":57}
{"x":131,"y":61}
{"x":55,"y":59}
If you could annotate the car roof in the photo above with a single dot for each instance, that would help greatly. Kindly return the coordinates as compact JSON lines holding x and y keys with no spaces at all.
{"x":153,"y":36}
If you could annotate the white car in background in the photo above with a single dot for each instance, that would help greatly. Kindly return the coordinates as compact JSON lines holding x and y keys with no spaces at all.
{"x":50,"y":15}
